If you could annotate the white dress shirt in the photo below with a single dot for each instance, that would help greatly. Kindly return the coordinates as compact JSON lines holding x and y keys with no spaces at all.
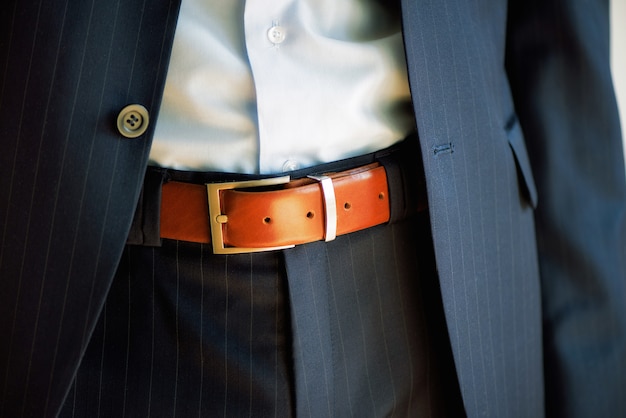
{"x":259,"y":86}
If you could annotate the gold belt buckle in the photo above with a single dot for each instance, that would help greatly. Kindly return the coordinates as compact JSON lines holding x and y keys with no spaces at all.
{"x":217,"y":218}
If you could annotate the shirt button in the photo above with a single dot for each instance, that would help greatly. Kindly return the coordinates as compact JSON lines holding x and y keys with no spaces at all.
{"x":276,"y":34}
{"x":290,"y":165}
{"x":133,"y":121}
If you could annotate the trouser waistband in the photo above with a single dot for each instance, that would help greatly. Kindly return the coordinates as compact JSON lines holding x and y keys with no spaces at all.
{"x":162,"y":210}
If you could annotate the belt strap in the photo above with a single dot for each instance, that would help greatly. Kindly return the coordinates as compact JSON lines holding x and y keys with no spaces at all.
{"x":296,"y":213}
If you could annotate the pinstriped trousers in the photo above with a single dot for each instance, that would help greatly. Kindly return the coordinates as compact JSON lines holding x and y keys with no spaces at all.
{"x":353,"y":327}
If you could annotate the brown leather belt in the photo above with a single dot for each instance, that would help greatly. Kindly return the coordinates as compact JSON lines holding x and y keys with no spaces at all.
{"x":274,"y":213}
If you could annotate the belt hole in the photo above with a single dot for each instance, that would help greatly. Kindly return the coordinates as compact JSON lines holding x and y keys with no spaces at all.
{"x":310,"y":215}
{"x":267,"y":220}
{"x":347,"y":206}
{"x":381,"y":195}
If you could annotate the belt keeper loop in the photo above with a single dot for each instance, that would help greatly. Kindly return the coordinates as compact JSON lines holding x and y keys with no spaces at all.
{"x":330,"y":206}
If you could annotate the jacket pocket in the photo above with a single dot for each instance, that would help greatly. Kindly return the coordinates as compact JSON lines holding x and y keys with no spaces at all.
{"x":516,"y":141}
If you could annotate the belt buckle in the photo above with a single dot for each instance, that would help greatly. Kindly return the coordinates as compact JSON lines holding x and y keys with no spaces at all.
{"x":217,"y":218}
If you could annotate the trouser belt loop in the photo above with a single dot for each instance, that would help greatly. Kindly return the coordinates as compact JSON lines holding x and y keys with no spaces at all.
{"x":145,"y":229}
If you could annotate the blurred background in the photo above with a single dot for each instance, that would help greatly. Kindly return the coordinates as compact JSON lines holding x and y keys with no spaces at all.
{"x":618,"y":57}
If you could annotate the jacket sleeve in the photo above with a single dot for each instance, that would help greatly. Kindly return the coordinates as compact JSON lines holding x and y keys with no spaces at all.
{"x":558,"y":65}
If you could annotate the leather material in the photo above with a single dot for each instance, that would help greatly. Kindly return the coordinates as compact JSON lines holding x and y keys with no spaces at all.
{"x":294,"y":214}
{"x":185,"y":212}
{"x":69,"y":184}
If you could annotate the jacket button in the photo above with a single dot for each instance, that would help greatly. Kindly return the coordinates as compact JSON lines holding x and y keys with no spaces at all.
{"x":133,"y":121}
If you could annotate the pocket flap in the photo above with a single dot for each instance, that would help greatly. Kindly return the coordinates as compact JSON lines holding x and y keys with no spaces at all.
{"x":516,"y":140}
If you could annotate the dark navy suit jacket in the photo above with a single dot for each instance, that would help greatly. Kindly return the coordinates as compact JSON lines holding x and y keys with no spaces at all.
{"x":521,"y":149}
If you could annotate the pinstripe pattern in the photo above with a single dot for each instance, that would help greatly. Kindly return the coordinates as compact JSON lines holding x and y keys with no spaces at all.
{"x":483,"y":228}
{"x":581,"y":235}
{"x":222,"y":368}
{"x":345,"y":307}
{"x":372,"y":292}
{"x":484,"y":235}
{"x":69,"y":183}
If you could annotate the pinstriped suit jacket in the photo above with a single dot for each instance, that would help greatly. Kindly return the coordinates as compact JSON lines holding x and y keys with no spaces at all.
{"x":505,"y":205}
